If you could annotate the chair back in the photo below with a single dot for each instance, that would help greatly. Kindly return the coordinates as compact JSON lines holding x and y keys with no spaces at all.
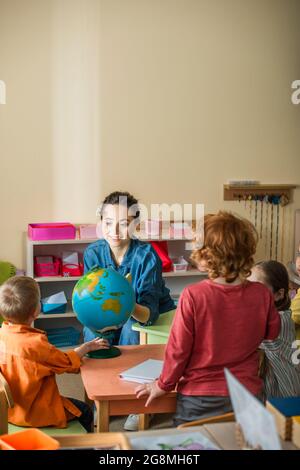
{"x":225,"y":418}
{"x":6,"y":402}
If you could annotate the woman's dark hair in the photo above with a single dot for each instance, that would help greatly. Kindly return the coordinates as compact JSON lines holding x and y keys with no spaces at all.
{"x":120,"y":197}
{"x":276,"y":276}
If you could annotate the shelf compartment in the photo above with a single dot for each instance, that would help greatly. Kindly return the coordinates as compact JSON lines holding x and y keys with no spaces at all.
{"x":46,"y":316}
{"x":57,"y":279}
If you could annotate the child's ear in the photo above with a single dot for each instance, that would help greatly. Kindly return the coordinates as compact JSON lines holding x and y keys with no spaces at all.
{"x":128,"y":277}
{"x":279,"y":295}
{"x":37,"y":311}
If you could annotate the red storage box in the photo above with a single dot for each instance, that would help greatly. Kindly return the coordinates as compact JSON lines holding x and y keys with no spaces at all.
{"x":47,"y":269}
{"x":161,"y":249}
{"x":51,"y":231}
{"x":69,"y":270}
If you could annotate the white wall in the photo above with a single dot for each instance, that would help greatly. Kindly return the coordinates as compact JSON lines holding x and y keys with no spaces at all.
{"x":166,"y":98}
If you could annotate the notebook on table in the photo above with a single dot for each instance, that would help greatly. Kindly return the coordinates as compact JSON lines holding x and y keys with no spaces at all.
{"x":143,"y":373}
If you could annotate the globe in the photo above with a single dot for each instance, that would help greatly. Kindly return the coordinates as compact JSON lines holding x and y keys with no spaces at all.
{"x":103,"y":300}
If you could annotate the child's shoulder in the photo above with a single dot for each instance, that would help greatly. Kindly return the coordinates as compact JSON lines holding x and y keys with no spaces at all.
{"x":257,"y":286}
{"x":33,"y":345}
{"x":208,"y":287}
{"x":197,"y":289}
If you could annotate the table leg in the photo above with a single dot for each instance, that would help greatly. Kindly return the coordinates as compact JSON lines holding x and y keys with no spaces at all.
{"x":102,"y":408}
{"x":88,"y":401}
{"x":143,"y":422}
{"x":143,"y":337}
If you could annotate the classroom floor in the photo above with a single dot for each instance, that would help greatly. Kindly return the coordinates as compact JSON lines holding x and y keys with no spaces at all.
{"x":70,"y":385}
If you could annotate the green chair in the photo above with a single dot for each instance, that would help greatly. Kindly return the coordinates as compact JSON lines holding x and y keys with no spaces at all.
{"x":6,"y":402}
{"x":157,"y":333}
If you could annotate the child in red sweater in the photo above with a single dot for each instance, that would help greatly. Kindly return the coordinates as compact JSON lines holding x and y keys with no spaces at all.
{"x":219,"y":322}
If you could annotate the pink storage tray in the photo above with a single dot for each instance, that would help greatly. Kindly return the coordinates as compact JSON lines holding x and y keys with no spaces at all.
{"x":88,"y":231}
{"x":51,"y":231}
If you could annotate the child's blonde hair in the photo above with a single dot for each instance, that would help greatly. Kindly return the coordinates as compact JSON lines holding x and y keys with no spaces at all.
{"x":19,"y":299}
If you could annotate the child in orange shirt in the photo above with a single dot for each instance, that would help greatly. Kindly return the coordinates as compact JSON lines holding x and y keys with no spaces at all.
{"x":29,"y":362}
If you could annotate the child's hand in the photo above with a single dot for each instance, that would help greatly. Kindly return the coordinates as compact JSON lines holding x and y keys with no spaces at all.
{"x":152,"y":389}
{"x":97,"y":343}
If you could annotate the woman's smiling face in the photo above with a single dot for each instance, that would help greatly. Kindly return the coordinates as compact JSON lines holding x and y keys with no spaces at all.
{"x":115,"y":223}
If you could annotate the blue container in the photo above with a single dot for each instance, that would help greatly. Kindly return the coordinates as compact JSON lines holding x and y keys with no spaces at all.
{"x":53,"y":308}
{"x":62,"y":337}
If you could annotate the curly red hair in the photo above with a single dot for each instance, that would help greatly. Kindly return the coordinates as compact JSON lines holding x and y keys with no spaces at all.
{"x":229,"y":246}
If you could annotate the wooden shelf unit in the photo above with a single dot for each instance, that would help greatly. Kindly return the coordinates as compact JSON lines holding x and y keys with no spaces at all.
{"x":175,"y":280}
{"x":234,"y":192}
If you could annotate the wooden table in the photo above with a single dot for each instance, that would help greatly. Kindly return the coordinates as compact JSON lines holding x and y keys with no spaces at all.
{"x":157,"y":333}
{"x":114,"y":396}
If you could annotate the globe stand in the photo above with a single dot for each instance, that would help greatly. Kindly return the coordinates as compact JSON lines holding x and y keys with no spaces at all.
{"x":105,"y":353}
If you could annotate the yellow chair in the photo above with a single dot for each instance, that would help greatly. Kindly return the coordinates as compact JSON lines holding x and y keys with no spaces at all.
{"x":6,"y":402}
{"x":225,"y":418}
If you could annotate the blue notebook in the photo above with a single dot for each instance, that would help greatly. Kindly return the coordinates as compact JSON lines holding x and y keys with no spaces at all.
{"x":287,"y":406}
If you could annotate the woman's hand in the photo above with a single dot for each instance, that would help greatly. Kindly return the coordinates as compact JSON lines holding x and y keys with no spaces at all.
{"x":94,"y":345}
{"x":152,"y":389}
{"x":141,"y":313}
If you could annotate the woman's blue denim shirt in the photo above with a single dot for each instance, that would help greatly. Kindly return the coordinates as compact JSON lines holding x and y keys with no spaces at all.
{"x":145,"y":267}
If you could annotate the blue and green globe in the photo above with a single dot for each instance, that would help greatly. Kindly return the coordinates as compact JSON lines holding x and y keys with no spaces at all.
{"x":103,"y":300}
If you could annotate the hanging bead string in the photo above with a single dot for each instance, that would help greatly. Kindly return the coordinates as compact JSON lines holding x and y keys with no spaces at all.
{"x":283,"y":202}
{"x":266,"y":200}
{"x":250,"y":200}
{"x":276,"y":201}
{"x":268,"y":230}
{"x":282,"y":234}
{"x":261,"y":215}
{"x":271,"y":232}
{"x":255,"y":216}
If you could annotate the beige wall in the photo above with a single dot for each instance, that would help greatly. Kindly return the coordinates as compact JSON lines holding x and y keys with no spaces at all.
{"x":166,"y":98}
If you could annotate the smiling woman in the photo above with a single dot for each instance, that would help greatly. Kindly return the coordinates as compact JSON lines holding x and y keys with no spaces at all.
{"x":119,"y":212}
{"x":2,"y":92}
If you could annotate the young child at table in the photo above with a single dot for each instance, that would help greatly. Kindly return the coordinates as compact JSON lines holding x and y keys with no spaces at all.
{"x":29,"y":362}
{"x":281,"y":377}
{"x":219,"y":322}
